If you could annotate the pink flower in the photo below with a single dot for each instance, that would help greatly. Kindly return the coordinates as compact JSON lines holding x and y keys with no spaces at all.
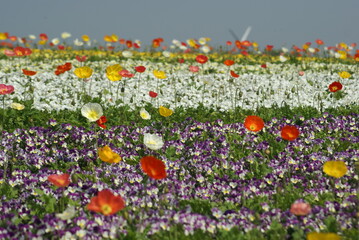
{"x":301,"y":73}
{"x":9,"y":53}
{"x":126,"y":73}
{"x":6,"y":89}
{"x":300,"y":208}
{"x":193,"y":69}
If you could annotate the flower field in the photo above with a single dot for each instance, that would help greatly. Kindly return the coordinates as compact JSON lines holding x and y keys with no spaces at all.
{"x":178,"y":141}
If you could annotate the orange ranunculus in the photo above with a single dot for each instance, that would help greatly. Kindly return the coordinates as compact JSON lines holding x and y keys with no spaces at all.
{"x":228,"y":62}
{"x":335,"y":169}
{"x":83,"y":72}
{"x":335,"y":86}
{"x":28,"y":72}
{"x":290,"y":133}
{"x":59,"y":180}
{"x":233,"y":74}
{"x":153,"y":167}
{"x":106,"y":203}
{"x":113,"y":72}
{"x":253,"y":123}
{"x":107,"y":155}
{"x":201,"y":59}
{"x":101,"y":122}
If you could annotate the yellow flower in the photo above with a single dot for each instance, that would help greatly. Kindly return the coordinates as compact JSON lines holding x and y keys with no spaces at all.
{"x":335,"y":169}
{"x":344,"y":74}
{"x":3,"y":36}
{"x":83,"y":72}
{"x":112,"y":72}
{"x":92,"y":111}
{"x":165,"y":112}
{"x":322,"y":236}
{"x":17,"y":106}
{"x":107,"y":155}
{"x":85,"y":38}
{"x":159,"y":74}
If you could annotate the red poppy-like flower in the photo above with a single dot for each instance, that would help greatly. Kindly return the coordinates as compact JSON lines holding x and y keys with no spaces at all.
{"x":290,"y":133}
{"x":27,"y":51}
{"x":301,"y":73}
{"x":6,"y":89}
{"x":43,"y":37}
{"x":101,"y":122}
{"x":81,"y":58}
{"x":201,"y":59}
{"x":126,"y":73}
{"x":269,"y":48}
{"x":106,"y":203}
{"x":63,"y":68}
{"x":157,"y":42}
{"x":254,"y":123}
{"x":228,"y":62}
{"x":19,"y":51}
{"x":319,"y":42}
{"x":153,"y":94}
{"x":181,"y":60}
{"x":28,"y":72}
{"x":59,"y":180}
{"x":335,"y":86}
{"x":300,"y":208}
{"x":233,"y":74}
{"x":228,"y":43}
{"x":264,"y":65}
{"x":193,"y":69}
{"x":153,"y":167}
{"x":140,"y":69}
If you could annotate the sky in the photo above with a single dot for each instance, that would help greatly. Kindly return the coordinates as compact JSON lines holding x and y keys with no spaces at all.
{"x":281,"y":23}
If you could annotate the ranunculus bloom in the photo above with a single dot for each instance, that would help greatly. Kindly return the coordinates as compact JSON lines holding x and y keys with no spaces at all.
{"x":322,"y":236}
{"x":6,"y":89}
{"x":83,"y":72}
{"x":300,"y":208}
{"x":65,"y":35}
{"x":159,"y":74}
{"x":201,"y":59}
{"x":92,"y":111}
{"x":335,"y":86}
{"x":152,"y":141}
{"x":81,"y":58}
{"x":233,"y":74}
{"x":165,"y":112}
{"x":101,"y":122}
{"x":301,"y":73}
{"x":335,"y":169}
{"x":107,"y":155}
{"x":228,"y":62}
{"x":59,"y":180}
{"x":264,"y":65}
{"x":85,"y":38}
{"x":144,"y":114}
{"x":106,"y":203}
{"x":28,"y":72}
{"x":253,"y":123}
{"x":290,"y":133}
{"x":193,"y":69}
{"x":17,"y":106}
{"x":153,"y":167}
{"x":126,"y":73}
{"x":140,"y":69}
{"x":152,"y":94}
{"x":63,"y":68}
{"x":113,"y":72}
{"x":344,"y":74}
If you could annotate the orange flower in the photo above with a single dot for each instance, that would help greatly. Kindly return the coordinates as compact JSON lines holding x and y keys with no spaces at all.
{"x":290,"y":133}
{"x":28,"y":72}
{"x":107,"y":155}
{"x":335,"y":86}
{"x":106,"y":203}
{"x":228,"y":62}
{"x":153,"y":167}
{"x":59,"y":180}
{"x":254,"y":123}
{"x":233,"y":74}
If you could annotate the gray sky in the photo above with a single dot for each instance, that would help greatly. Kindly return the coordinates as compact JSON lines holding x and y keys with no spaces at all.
{"x":275,"y":22}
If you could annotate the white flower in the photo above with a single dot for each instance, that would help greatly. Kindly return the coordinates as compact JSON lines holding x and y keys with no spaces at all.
{"x":65,"y":35}
{"x":92,"y":111}
{"x":282,"y":58}
{"x":285,"y":50}
{"x":153,"y":141}
{"x":55,"y":41}
{"x":69,"y":213}
{"x":78,"y":43}
{"x":127,"y":54}
{"x":206,"y":49}
{"x":31,"y":36}
{"x":166,"y":53}
{"x":202,"y":41}
{"x":144,"y":114}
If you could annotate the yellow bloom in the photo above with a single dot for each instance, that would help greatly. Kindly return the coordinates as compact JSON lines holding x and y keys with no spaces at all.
{"x":165,"y":112}
{"x":112,"y":72}
{"x":344,"y":74}
{"x":42,"y":42}
{"x":335,"y":169}
{"x":85,"y":38}
{"x":3,"y":36}
{"x":83,"y":72}
{"x":322,"y":236}
{"x":17,"y":106}
{"x":159,"y":74}
{"x":107,"y":155}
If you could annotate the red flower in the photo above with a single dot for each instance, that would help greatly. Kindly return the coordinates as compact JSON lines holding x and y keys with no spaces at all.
{"x":61,"y":47}
{"x":101,"y":122}
{"x":181,"y":60}
{"x":228,"y":62}
{"x":43,"y":37}
{"x":19,"y":51}
{"x":81,"y":58}
{"x":264,"y":65}
{"x":254,"y":123}
{"x":106,"y":203}
{"x":319,"y":42}
{"x":201,"y":59}
{"x":233,"y":74}
{"x":335,"y":86}
{"x":269,"y":48}
{"x":153,"y":167}
{"x":28,"y":72}
{"x":63,"y":68}
{"x":228,"y":43}
{"x":290,"y":133}
{"x":153,"y":94}
{"x":140,"y":69}
{"x":126,"y":73}
{"x":59,"y":180}
{"x":157,"y":42}
{"x":6,"y":89}
{"x":129,"y":43}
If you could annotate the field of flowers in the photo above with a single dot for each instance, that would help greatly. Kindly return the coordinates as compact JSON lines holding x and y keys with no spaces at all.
{"x":178,"y":141}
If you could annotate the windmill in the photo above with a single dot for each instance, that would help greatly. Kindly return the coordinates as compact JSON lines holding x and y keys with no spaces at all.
{"x":244,"y":36}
